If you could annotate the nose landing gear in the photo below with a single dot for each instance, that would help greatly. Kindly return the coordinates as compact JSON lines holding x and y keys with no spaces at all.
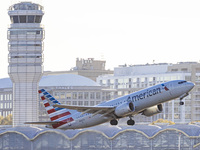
{"x":181,"y":103}
{"x":181,"y":98}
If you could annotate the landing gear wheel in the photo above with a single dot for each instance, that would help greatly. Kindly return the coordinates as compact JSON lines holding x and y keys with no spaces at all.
{"x":130,"y":122}
{"x":181,"y":103}
{"x":113,"y":122}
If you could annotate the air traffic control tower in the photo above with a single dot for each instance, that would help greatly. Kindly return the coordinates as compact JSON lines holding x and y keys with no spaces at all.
{"x":25,"y":69}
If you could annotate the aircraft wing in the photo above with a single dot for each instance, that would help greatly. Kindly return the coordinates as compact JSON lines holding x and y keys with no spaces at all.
{"x":104,"y":110}
{"x":43,"y":123}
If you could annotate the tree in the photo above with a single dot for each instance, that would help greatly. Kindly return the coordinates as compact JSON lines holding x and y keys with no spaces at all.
{"x":163,"y":121}
{"x":1,"y":120}
{"x":6,"y":121}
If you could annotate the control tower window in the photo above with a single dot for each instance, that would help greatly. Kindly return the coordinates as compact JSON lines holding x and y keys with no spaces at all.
{"x":15,"y":19}
{"x":22,"y":19}
{"x":38,"y":19}
{"x":31,"y":19}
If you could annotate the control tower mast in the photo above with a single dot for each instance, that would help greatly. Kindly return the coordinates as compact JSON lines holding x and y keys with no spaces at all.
{"x":25,"y":69}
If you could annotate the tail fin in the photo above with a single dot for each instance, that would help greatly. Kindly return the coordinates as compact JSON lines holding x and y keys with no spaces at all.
{"x":55,"y":113}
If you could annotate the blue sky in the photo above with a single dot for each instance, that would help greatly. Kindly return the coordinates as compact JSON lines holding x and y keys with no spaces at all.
{"x":118,"y":31}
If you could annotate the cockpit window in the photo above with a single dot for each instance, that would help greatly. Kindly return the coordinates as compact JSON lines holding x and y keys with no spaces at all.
{"x":181,"y":82}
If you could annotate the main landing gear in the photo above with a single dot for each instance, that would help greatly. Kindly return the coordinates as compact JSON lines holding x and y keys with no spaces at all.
{"x":130,"y":122}
{"x":113,"y":122}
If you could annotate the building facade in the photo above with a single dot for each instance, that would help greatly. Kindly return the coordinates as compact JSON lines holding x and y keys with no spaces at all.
{"x":68,"y":89}
{"x":89,"y":68}
{"x":25,"y":47}
{"x":127,"y":79}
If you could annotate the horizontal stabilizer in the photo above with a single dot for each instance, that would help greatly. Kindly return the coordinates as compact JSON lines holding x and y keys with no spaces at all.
{"x":43,"y":123}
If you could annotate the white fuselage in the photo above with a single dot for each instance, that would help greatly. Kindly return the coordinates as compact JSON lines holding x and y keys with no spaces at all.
{"x":142,"y":100}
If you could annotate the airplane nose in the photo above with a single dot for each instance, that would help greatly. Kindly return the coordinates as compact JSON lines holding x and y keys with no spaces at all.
{"x":190,"y":85}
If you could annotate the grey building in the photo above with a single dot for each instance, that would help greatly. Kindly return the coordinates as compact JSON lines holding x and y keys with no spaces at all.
{"x":127,"y":79}
{"x":69,"y":89}
{"x":89,"y":68}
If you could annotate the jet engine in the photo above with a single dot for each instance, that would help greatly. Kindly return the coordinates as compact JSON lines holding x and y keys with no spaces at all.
{"x":124,"y":109}
{"x":153,"y":110}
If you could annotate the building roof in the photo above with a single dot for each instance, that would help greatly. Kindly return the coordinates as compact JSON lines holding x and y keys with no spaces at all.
{"x":110,"y":132}
{"x":5,"y":83}
{"x":66,"y":80}
{"x":56,"y":80}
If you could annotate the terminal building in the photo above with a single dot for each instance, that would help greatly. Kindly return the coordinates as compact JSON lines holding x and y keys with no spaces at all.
{"x":103,"y":137}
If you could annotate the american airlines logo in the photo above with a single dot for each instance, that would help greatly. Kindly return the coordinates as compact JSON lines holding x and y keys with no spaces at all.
{"x":144,"y":95}
{"x":164,"y":87}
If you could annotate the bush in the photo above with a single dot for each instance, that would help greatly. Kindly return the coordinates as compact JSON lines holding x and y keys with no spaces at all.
{"x":6,"y":121}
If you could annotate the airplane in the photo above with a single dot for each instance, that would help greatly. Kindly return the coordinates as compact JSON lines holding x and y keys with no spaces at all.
{"x":147,"y":102}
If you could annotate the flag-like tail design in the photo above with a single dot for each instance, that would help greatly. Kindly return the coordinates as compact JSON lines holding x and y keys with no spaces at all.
{"x":61,"y":115}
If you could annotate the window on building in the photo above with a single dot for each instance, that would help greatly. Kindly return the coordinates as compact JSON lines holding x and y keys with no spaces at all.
{"x":1,"y":97}
{"x":98,"y":102}
{"x":22,"y":19}
{"x":86,"y":95}
{"x":74,"y":103}
{"x":31,"y":19}
{"x":15,"y":19}
{"x":86,"y":103}
{"x":56,"y":95}
{"x":10,"y":96}
{"x":74,"y":95}
{"x":80,"y":103}
{"x":38,"y":19}
{"x":98,"y":95}
{"x":80,"y":95}
{"x":92,"y":103}
{"x":188,"y":78}
{"x":198,"y":70}
{"x":184,"y":69}
{"x":68,"y":102}
{"x":68,"y":95}
{"x":38,"y":32}
{"x":62,"y":95}
{"x":92,"y":94}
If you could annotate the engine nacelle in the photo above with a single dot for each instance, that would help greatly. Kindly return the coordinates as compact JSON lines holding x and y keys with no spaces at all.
{"x":153,"y":110}
{"x":124,"y":109}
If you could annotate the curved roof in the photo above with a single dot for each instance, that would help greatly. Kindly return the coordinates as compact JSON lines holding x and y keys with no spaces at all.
{"x":66,"y":80}
{"x":56,"y":80}
{"x":110,"y":132}
{"x":5,"y":83}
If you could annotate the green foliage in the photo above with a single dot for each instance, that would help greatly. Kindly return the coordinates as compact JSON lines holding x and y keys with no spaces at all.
{"x":6,"y":121}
